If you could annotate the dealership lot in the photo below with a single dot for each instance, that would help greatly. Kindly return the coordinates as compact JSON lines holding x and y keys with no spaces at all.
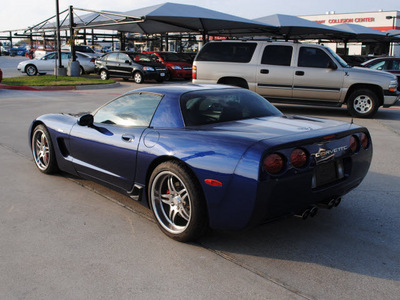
{"x":75,"y":239}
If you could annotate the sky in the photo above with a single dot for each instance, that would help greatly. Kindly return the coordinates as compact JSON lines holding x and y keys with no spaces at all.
{"x":20,"y":14}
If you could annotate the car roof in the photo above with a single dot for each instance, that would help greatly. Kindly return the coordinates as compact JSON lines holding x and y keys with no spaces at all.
{"x":182,"y":89}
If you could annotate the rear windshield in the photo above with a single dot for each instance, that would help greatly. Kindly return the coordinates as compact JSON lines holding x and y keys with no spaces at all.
{"x":227,"y":52}
{"x":224,"y":105}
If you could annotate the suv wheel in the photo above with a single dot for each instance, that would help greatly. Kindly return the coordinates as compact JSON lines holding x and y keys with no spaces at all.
{"x":363,"y":103}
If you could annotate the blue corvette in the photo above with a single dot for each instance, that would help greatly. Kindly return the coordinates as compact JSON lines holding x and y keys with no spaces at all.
{"x":206,"y":156}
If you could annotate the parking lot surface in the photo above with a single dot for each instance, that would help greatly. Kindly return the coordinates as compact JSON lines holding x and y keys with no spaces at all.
{"x":69,"y":238}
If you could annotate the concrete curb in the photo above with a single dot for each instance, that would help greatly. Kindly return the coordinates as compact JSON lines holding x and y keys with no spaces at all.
{"x":60,"y":88}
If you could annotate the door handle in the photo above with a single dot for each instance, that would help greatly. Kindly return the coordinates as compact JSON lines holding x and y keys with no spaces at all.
{"x":299,"y":73}
{"x":127,"y":138}
{"x":264,"y":71}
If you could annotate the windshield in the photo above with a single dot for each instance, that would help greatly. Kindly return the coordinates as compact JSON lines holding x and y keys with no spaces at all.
{"x":171,"y":57}
{"x":223,"y":105}
{"x":338,"y":58}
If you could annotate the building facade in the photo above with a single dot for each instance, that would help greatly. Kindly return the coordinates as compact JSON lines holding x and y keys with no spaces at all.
{"x":380,"y":20}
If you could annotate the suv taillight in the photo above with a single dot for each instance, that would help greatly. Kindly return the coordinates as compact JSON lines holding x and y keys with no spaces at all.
{"x":194,"y":72}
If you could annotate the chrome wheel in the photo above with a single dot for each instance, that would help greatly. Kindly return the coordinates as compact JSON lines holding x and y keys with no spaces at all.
{"x":42,"y":150}
{"x":31,"y":70}
{"x":177,"y":201}
{"x":362,"y":104}
{"x":171,"y":202}
{"x":103,"y":74}
{"x":138,"y":77}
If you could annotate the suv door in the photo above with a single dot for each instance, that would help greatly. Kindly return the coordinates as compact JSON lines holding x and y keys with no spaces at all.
{"x":317,"y":76}
{"x":275,"y":74}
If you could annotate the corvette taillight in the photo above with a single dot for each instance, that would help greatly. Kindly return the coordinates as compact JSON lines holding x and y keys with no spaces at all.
{"x":364,"y":141}
{"x":194,"y":72}
{"x":354,"y":143}
{"x":274,"y":163}
{"x":298,"y":158}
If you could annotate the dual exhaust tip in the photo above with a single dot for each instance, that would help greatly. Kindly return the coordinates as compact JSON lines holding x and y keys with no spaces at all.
{"x":313,"y":210}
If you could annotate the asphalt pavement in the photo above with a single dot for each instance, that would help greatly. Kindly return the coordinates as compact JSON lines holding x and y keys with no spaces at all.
{"x":67,"y":238}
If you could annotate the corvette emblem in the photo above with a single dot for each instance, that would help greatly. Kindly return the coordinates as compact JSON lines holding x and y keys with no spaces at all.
{"x":325,"y":154}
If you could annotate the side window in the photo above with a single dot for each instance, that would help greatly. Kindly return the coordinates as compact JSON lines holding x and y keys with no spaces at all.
{"x":112,"y":57}
{"x":52,"y":56}
{"x":227,"y":52}
{"x":65,"y":55}
{"x":382,"y":65}
{"x":277,"y":55}
{"x":123,"y":57}
{"x":313,"y":58}
{"x":396,"y":65}
{"x":129,"y":110}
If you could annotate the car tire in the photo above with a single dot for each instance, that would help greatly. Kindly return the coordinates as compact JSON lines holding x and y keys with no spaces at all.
{"x":177,"y":202}
{"x":31,"y":70}
{"x":363,"y":103}
{"x":81,"y":71}
{"x":43,"y":151}
{"x":138,"y":77}
{"x":104,"y":75}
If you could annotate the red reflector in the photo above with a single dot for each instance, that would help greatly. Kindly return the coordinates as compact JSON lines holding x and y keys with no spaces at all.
{"x":213,"y":182}
{"x":328,"y":137}
{"x":364,"y":141}
{"x":273,"y":163}
{"x":354,"y":144}
{"x":298,"y":158}
{"x":194,"y":72}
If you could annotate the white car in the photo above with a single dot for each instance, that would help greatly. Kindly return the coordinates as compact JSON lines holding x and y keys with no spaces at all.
{"x":48,"y":62}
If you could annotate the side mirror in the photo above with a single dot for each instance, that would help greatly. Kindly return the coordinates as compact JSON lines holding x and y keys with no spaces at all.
{"x":332,"y":65}
{"x":86,"y":120}
{"x":128,"y":62}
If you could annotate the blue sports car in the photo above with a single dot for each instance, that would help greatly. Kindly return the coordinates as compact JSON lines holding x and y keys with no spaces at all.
{"x":206,"y":156}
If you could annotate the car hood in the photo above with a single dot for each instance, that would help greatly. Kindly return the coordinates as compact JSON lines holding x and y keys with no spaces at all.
{"x":364,"y":70}
{"x":272,"y":127}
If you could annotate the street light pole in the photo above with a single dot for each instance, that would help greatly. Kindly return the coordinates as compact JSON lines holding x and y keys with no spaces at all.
{"x":391,"y":52}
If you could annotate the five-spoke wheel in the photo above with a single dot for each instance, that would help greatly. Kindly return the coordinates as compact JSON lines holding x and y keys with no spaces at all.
{"x":31,"y":70}
{"x":177,"y":202}
{"x":42,"y":150}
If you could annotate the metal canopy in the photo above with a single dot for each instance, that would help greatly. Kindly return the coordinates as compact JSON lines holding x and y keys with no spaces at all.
{"x":291,"y":27}
{"x":171,"y":17}
{"x":362,"y":33}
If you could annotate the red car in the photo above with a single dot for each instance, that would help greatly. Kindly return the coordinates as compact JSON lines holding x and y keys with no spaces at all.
{"x":177,"y":66}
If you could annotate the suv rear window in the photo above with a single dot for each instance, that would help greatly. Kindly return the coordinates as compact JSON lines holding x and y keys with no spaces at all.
{"x":227,"y":52}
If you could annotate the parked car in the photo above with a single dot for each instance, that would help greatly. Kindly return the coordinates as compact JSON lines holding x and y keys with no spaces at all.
{"x":5,"y":50}
{"x":177,"y":66}
{"x":206,"y":156}
{"x":187,"y":56}
{"x":387,"y":64}
{"x":48,"y":62}
{"x":126,"y":64}
{"x":296,"y":73}
{"x":83,"y":49}
{"x":21,"y":51}
{"x":1,"y":75}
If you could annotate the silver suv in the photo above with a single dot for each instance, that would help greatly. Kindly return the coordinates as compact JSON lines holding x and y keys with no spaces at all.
{"x":295,"y":73}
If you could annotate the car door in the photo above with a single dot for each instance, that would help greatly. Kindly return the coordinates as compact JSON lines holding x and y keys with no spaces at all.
{"x":107,"y":150}
{"x":111,"y":62}
{"x":275,"y":73}
{"x":317,"y":77}
{"x":47,"y":63}
{"x":124,"y":65}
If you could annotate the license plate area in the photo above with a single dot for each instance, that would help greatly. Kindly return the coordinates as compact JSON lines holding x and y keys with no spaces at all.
{"x":327,"y":173}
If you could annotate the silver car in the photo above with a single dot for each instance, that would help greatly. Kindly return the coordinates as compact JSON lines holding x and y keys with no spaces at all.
{"x":48,"y":62}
